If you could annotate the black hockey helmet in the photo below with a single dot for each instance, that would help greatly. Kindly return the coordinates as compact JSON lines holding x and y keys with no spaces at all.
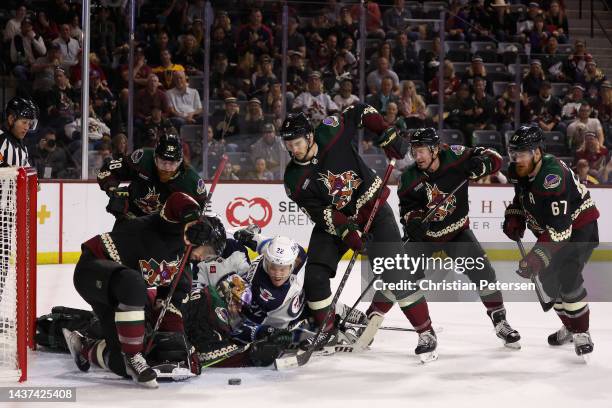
{"x":169,"y":146}
{"x":22,"y":108}
{"x":296,"y":125}
{"x":424,"y":137}
{"x":209,"y":230}
{"x":526,"y":137}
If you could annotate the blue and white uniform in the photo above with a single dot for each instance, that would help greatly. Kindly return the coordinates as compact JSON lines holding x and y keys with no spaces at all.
{"x":276,"y":306}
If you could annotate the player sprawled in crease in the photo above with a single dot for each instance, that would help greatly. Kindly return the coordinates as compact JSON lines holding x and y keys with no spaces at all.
{"x":559,"y":211}
{"x":269,"y":314}
{"x":438,"y":169}
{"x":121,"y":272}
{"x":333,"y":185}
{"x":153,"y":175}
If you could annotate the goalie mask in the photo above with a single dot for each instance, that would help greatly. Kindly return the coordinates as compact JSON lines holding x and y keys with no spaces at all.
{"x":279,"y":258}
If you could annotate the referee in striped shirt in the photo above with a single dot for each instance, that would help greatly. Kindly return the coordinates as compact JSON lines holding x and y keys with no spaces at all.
{"x":21,"y":116}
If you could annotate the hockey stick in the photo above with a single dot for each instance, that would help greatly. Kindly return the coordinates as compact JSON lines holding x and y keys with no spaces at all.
{"x":545,"y":301}
{"x":184,"y":260}
{"x":301,"y":359}
{"x":427,"y":218}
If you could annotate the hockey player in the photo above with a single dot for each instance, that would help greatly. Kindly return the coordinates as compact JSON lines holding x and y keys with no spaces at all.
{"x":331,"y":183}
{"x":21,"y":117}
{"x":558,"y":209}
{"x":219,"y":256}
{"x":113,"y":275}
{"x":437,"y":170}
{"x":153,"y":175}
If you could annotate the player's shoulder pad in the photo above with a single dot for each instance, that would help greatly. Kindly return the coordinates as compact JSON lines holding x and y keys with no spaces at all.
{"x":144,"y":158}
{"x":293,"y":175}
{"x":192,"y":181}
{"x":552,"y":177}
{"x":451,"y":153}
{"x":410,"y":175}
{"x":328,"y":128}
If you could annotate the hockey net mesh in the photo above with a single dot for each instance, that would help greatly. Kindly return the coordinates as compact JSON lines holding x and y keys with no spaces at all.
{"x":8,"y":272}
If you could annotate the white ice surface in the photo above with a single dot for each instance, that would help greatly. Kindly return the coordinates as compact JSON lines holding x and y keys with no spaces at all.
{"x":473,"y":370}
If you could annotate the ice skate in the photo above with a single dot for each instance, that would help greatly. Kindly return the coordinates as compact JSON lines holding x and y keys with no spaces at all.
{"x":426,"y":347}
{"x":137,"y":367}
{"x":76,"y":341}
{"x":504,"y":331}
{"x":583,"y":345}
{"x":560,"y":337}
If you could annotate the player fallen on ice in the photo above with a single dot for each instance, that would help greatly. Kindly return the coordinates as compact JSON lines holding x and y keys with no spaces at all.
{"x":558,"y":209}
{"x":153,"y":174}
{"x":333,"y":185}
{"x":122,"y":271}
{"x":277,"y":278}
{"x":438,"y":169}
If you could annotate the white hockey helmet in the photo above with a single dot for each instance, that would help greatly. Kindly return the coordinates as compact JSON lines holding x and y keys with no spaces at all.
{"x":281,"y":251}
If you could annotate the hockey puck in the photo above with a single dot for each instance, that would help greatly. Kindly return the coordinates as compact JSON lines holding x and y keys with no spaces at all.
{"x":234,"y":381}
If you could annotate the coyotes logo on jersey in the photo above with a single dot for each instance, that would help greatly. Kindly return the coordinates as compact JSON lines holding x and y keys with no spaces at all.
{"x":434,"y":196}
{"x":149,"y":204}
{"x":341,"y":186}
{"x":156,"y":273}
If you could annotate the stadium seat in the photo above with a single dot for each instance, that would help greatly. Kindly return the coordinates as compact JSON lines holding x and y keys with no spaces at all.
{"x":496,"y":72}
{"x":512,"y":69}
{"x":457,"y":51}
{"x":196,"y":82}
{"x":565,"y":49}
{"x":488,"y":138}
{"x":485,"y":49}
{"x":556,"y":143}
{"x":461,"y":67}
{"x":560,"y":89}
{"x":499,"y":88}
{"x":451,"y":136}
{"x":432,"y":9}
{"x":423,"y":45}
{"x":502,"y":47}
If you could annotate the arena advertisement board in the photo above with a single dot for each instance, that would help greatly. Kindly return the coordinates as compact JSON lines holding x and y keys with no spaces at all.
{"x":84,"y":215}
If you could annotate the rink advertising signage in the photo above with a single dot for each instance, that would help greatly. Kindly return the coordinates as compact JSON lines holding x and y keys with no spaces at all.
{"x":84,"y":215}
{"x":243,"y":211}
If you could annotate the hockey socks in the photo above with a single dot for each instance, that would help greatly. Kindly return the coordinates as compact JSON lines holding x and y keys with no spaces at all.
{"x":130,"y":325}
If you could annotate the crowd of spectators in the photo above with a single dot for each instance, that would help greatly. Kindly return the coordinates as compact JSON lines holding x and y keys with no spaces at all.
{"x":559,"y":86}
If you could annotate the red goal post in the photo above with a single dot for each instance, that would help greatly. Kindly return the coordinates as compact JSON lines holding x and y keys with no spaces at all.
{"x":18,"y":221}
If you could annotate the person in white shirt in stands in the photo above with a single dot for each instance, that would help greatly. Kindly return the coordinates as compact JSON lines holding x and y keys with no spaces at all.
{"x":345,"y":97}
{"x":585,"y":122}
{"x":13,"y":26}
{"x":69,"y":47}
{"x":314,"y":102}
{"x":185,"y":104}
{"x":26,"y":46}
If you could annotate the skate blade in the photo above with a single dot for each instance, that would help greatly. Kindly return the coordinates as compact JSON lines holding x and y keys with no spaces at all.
{"x":512,"y":346}
{"x":286,"y":363}
{"x":172,"y":372}
{"x":326,"y":351}
{"x":148,"y":384}
{"x":83,"y":366}
{"x":428,"y":357}
{"x":586,"y":358}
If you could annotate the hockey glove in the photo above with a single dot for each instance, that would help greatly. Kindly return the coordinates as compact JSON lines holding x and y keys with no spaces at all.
{"x":534,"y":263}
{"x":476,"y":167}
{"x":280,"y":337}
{"x":393,"y":144}
{"x":364,"y":212}
{"x":514,"y":223}
{"x":348,"y":230}
{"x":119,"y":202}
{"x":246,"y":236}
{"x":414,"y":226}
